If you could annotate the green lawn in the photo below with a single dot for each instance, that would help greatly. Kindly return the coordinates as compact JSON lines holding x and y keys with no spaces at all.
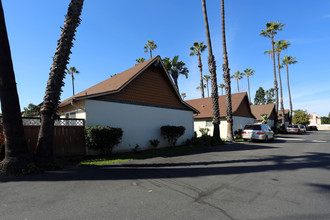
{"x":123,"y":157}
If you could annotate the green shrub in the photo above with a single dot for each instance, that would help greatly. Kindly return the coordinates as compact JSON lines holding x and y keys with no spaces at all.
{"x":172,"y":133}
{"x":206,"y":140}
{"x":103,"y":138}
{"x":238,"y":134}
{"x":136,"y":148}
{"x":154,"y":143}
{"x":31,"y":168}
{"x":204,"y":131}
{"x":2,"y":146}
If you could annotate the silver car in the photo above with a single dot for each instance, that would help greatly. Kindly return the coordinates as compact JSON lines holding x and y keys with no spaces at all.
{"x":257,"y":132}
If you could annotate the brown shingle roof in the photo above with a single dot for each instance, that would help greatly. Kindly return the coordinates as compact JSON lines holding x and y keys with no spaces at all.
{"x":113,"y":84}
{"x":204,"y":105}
{"x":258,"y":110}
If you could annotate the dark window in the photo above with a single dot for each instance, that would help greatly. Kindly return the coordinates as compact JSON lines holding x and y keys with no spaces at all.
{"x":252,"y":127}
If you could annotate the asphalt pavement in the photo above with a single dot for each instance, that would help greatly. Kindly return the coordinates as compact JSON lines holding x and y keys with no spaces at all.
{"x":285,"y":179}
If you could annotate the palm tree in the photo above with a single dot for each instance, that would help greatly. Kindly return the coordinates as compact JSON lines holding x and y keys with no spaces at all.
{"x":288,"y":60}
{"x":213,"y":74}
{"x":44,"y":151}
{"x":197,"y":49}
{"x":226,"y":76}
{"x":140,"y":60}
{"x":17,"y":155}
{"x":71,"y":71}
{"x":175,"y":68}
{"x":149,"y":47}
{"x":271,"y":29}
{"x":248,"y":73}
{"x":183,"y":95}
{"x":221,"y":86}
{"x":207,"y":78}
{"x":238,"y":76}
{"x":281,"y":45}
{"x":200,"y":87}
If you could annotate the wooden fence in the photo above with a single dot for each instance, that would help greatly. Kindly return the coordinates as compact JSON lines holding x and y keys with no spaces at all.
{"x":69,"y":138}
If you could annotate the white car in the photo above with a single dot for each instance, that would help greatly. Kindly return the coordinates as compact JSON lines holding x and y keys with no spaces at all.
{"x":257,"y":132}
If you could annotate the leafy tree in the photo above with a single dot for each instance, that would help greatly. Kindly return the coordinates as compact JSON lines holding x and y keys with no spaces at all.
{"x":270,"y":96}
{"x":248,"y":73}
{"x":300,"y":117}
{"x":17,"y":155}
{"x":226,"y":76}
{"x":31,"y":110}
{"x":288,"y":60}
{"x":221,"y":86}
{"x":213,"y":74}
{"x":271,"y":29}
{"x":197,"y":49}
{"x":259,"y":98}
{"x":175,"y":68}
{"x":71,"y":71}
{"x":238,"y":76}
{"x":140,"y":60}
{"x":183,"y":95}
{"x":325,"y":120}
{"x":265,"y":118}
{"x":44,"y":151}
{"x":149,"y":47}
{"x":207,"y":78}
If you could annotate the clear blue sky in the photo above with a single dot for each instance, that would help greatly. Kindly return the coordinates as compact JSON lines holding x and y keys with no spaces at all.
{"x":112,"y":35}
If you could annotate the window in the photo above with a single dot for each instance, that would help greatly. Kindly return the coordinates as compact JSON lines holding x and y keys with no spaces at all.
{"x":208,"y":124}
{"x":72,"y":115}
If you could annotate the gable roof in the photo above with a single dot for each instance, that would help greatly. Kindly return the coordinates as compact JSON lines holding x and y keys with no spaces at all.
{"x":118,"y":82}
{"x":204,"y":105}
{"x":258,"y":110}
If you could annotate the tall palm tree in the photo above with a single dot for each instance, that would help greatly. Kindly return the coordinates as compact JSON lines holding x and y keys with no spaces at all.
{"x":271,"y":29}
{"x":175,"y":68}
{"x":226,"y":76}
{"x":213,"y":74}
{"x":281,"y":45}
{"x":71,"y":71}
{"x":44,"y":151}
{"x":221,"y":86}
{"x":200,"y":87}
{"x":183,"y":95}
{"x":288,"y":60}
{"x":238,"y":76}
{"x":207,"y":78}
{"x":16,"y":152}
{"x":197,"y":49}
{"x":149,"y":47}
{"x":140,"y":60}
{"x":248,"y":73}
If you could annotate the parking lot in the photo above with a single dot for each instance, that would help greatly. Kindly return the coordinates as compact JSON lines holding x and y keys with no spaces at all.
{"x":284,"y":179}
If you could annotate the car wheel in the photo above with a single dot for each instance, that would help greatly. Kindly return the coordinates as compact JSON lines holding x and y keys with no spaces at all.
{"x":245,"y":139}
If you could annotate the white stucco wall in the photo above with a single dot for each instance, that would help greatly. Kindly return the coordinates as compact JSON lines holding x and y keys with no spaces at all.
{"x":238,"y":123}
{"x":139,"y":123}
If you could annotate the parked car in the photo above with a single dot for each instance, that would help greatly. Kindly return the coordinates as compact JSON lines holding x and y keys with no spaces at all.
{"x":303,"y":128}
{"x":257,"y":132}
{"x":312,"y":128}
{"x":295,"y":129}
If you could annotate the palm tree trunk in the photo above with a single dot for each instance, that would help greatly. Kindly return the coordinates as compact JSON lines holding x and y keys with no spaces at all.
{"x":150,"y":53}
{"x":275,"y":86}
{"x":72,"y":84}
{"x":214,"y":86}
{"x":279,"y":77}
{"x":249,"y":89}
{"x":226,"y":77}
{"x":44,"y":152}
{"x":287,"y":75}
{"x":201,"y":70}
{"x":207,"y":86}
{"x":17,"y":155}
{"x":237,"y":86}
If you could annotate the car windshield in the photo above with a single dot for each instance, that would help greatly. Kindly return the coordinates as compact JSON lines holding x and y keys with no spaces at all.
{"x":293,"y":126}
{"x":252,"y":127}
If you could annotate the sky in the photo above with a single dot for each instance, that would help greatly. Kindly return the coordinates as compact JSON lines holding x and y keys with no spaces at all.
{"x":112,"y":35}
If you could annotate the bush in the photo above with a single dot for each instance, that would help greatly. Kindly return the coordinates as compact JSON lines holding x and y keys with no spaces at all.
{"x":238,"y":134}
{"x":154,"y":143}
{"x":206,"y":140}
{"x":204,"y":131}
{"x":103,"y":138}
{"x":2,"y":146}
{"x":172,"y":133}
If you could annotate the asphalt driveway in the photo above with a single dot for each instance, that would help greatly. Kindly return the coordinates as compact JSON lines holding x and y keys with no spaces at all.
{"x":285,"y":179}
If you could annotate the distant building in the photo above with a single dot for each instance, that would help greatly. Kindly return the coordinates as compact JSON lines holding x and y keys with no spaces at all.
{"x":314,"y":119}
